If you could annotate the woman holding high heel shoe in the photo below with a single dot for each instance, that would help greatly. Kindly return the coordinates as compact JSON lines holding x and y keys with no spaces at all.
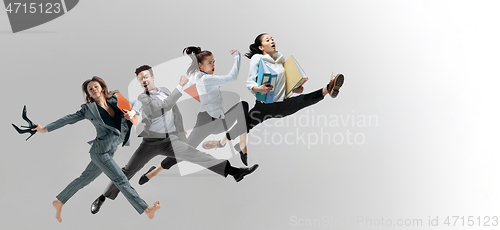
{"x":264,"y":48}
{"x":113,"y":128}
{"x":211,"y":118}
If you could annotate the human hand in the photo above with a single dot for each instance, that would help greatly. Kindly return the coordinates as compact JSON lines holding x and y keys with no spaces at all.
{"x":299,"y":90}
{"x":264,"y":88}
{"x":232,"y":51}
{"x":129,"y":114}
{"x":183,"y":81}
{"x":40,"y":129}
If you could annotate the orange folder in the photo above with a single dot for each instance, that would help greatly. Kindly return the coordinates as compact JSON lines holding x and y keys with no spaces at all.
{"x":123,"y":104}
{"x":191,"y":90}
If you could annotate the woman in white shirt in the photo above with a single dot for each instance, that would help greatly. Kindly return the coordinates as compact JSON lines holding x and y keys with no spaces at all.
{"x":211,"y":118}
{"x":264,"y":48}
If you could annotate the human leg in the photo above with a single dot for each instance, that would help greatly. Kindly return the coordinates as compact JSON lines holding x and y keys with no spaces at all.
{"x":106,"y":163}
{"x":152,"y":172}
{"x":238,"y":113}
{"x":172,"y":147}
{"x":141,"y":156}
{"x":255,"y":116}
{"x":183,"y":151}
{"x":91,"y":172}
{"x":204,"y":126}
{"x":292,"y":105}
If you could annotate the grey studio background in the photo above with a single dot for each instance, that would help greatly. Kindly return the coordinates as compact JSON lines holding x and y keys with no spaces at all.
{"x":424,"y":72}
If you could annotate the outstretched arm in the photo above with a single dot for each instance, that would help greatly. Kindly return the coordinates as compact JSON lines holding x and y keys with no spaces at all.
{"x":66,"y":120}
{"x":231,"y":76}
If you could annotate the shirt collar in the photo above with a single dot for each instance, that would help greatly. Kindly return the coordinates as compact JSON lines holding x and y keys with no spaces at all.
{"x":279,"y":58}
{"x":155,"y":92}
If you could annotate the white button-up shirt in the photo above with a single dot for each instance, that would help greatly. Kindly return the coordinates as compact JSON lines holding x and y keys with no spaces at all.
{"x":208,"y":88}
{"x":277,"y":66}
{"x":165,"y":122}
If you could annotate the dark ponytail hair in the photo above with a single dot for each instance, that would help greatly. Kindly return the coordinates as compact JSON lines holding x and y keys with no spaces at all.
{"x":200,"y":55}
{"x":254,"y":48}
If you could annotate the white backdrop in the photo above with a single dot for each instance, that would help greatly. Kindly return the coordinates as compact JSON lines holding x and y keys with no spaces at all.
{"x":413,"y":135}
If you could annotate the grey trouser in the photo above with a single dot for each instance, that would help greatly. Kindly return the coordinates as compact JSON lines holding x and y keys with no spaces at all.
{"x":103,"y":162}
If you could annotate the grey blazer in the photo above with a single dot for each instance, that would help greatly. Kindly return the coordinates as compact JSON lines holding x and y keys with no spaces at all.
{"x":153,"y":107}
{"x":107,"y":136}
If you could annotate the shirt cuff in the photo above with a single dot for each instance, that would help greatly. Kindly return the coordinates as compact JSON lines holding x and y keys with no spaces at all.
{"x":236,"y":54}
{"x":179,"y":87}
{"x":250,"y":86}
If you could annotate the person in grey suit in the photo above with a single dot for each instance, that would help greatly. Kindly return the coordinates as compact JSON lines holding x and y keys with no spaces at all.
{"x":164,"y":135}
{"x":113,"y":128}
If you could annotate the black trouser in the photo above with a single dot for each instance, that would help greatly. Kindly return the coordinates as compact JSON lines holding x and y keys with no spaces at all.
{"x":207,"y":125}
{"x":172,"y":147}
{"x":262,"y":111}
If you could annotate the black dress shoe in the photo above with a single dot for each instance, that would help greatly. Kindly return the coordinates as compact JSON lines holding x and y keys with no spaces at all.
{"x":96,"y":205}
{"x":144,"y":178}
{"x":243,"y":155}
{"x":244,"y":171}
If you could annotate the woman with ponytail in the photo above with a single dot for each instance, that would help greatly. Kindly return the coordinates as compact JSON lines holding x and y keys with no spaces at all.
{"x":264,"y":48}
{"x":211,"y":118}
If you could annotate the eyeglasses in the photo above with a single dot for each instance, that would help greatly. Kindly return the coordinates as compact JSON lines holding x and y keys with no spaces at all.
{"x":145,"y":77}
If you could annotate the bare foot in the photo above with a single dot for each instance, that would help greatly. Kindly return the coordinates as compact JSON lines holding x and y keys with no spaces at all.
{"x":150,"y":211}
{"x":58,"y":206}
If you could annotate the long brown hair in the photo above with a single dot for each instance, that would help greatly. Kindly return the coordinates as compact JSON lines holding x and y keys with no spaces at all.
{"x":107,"y":94}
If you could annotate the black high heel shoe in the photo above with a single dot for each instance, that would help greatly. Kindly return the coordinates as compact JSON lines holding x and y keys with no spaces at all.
{"x":30,"y":126}
{"x":243,"y":155}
